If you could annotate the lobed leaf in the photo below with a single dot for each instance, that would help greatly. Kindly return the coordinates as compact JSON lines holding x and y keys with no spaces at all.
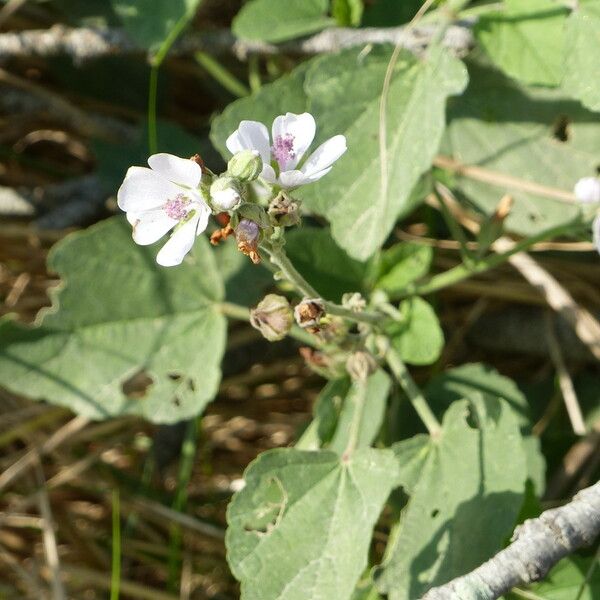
{"x":301,"y":527}
{"x":124,"y":336}
{"x":464,"y":500}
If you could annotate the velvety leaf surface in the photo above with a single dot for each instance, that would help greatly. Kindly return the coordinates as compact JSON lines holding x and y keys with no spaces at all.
{"x":465,"y":501}
{"x":402,"y":264}
{"x":373,"y":412}
{"x":526,"y":40}
{"x":335,"y":409}
{"x":301,"y":527}
{"x":366,"y":191}
{"x":582,"y":59}
{"x":149,"y":22}
{"x":534,"y":134}
{"x":463,"y":381}
{"x":277,"y":21}
{"x":419,"y":339}
{"x":118,"y":315}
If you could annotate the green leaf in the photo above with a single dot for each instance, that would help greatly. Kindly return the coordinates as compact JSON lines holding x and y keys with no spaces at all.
{"x":566,"y":579}
{"x":388,"y":13}
{"x":286,"y":94}
{"x":582,"y":59}
{"x":301,"y":527}
{"x":324,"y":264}
{"x":419,"y":338}
{"x":276,"y":21}
{"x":336,"y":408}
{"x":149,"y":22}
{"x":464,"y":504}
{"x":326,"y":413}
{"x":347,"y":12}
{"x":412,"y":455}
{"x":402,"y":264}
{"x":373,"y":412}
{"x":526,"y":40}
{"x":365,"y":193}
{"x":119,"y":322}
{"x":462,"y":382}
{"x":533,"y":134}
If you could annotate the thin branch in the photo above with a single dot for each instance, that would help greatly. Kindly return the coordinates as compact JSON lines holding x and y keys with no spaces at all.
{"x":537,"y":546}
{"x":564,"y":379}
{"x":87,"y":43}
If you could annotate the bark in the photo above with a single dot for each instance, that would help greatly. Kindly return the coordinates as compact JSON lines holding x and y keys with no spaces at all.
{"x":537,"y":546}
{"x":84,"y":43}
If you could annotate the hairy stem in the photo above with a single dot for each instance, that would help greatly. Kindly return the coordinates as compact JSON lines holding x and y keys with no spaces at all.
{"x":281,"y":260}
{"x":413,"y":392}
{"x":463,"y":271}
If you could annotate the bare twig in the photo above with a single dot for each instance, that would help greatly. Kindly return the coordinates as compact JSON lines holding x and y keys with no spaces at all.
{"x":86,"y":43}
{"x":537,"y":546}
{"x":50,"y":546}
{"x":564,"y":379}
{"x":27,"y":460}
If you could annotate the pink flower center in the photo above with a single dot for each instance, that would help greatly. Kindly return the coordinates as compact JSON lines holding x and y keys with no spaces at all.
{"x":177,"y":207}
{"x":283,"y":149}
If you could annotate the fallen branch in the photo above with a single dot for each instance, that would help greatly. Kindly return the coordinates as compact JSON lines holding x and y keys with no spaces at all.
{"x":537,"y":546}
{"x":86,"y":43}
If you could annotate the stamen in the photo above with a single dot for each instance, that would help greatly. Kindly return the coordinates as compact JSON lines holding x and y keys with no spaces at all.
{"x":177,"y":207}
{"x":283,"y":149}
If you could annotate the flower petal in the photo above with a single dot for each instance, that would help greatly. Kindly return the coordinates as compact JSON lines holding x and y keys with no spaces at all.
{"x":324,"y":156}
{"x":178,"y":170}
{"x":301,"y":128}
{"x":251,"y":135}
{"x":202,"y":213}
{"x":179,"y":244}
{"x":596,"y":232}
{"x":144,"y":189}
{"x":292,"y":179}
{"x":150,"y":226}
{"x":268,"y":174}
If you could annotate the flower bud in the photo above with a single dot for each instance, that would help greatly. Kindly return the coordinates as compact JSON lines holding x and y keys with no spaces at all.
{"x":360,"y":365}
{"x":247,"y":234}
{"x":309,"y":312}
{"x":284,"y":211}
{"x":273,"y":317}
{"x":587,"y":190}
{"x":354,"y":301}
{"x":245,"y":165}
{"x":226,"y":193}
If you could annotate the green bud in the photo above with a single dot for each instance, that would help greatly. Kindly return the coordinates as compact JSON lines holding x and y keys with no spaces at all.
{"x":226,"y":193}
{"x":273,"y":317}
{"x":360,"y":365}
{"x":245,"y":165}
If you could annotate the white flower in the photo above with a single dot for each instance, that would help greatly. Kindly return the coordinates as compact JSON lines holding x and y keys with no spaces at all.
{"x":161,"y":198}
{"x":291,"y":137}
{"x":587,"y":190}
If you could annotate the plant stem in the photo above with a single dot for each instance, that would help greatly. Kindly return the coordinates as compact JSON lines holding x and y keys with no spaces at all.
{"x":280,"y":258}
{"x":359,"y":398}
{"x":186,"y":464}
{"x":413,"y":392}
{"x":225,"y":77}
{"x":462,"y":271}
{"x":115,"y":575}
{"x":242,"y":313}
